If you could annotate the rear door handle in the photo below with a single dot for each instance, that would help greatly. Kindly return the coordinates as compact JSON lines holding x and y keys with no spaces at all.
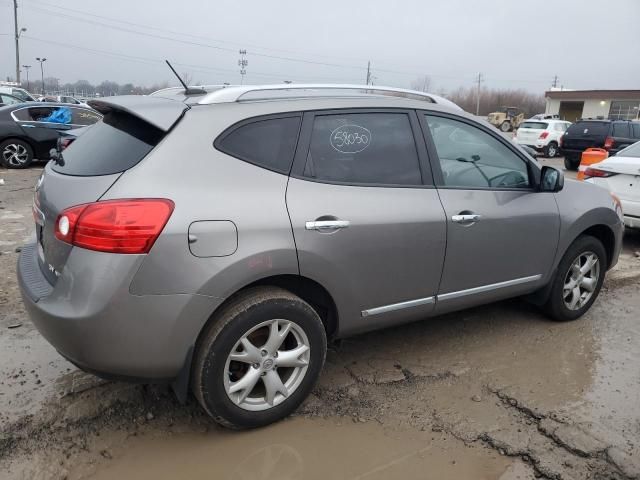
{"x":465,"y":218}
{"x":324,"y":225}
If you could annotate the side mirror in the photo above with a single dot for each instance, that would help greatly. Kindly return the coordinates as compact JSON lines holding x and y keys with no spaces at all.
{"x":551,"y":179}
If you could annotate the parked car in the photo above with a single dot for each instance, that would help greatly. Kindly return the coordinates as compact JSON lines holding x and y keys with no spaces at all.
{"x":621,"y":176}
{"x":545,"y":116}
{"x":612,"y":135}
{"x":542,"y":135}
{"x":21,"y":93}
{"x":29,"y":131}
{"x":219,"y":242}
{"x":6,"y":99}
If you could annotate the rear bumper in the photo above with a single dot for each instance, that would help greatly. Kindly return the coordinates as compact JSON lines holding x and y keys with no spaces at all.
{"x":90,"y":317}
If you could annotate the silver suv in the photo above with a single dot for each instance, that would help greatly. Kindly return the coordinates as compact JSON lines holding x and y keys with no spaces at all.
{"x":217,"y":238}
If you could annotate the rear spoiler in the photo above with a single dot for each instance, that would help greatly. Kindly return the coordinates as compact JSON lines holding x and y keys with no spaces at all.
{"x":160,"y":112}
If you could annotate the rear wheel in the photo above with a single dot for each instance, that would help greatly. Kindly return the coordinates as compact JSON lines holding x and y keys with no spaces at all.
{"x":578,"y":279}
{"x":571,"y":162}
{"x":259,"y":358}
{"x":551,"y":150}
{"x":15,"y":153}
{"x":505,"y":126}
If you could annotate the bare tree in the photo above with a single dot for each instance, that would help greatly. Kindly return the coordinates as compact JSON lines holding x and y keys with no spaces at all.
{"x":187,"y":77}
{"x":422,"y":83}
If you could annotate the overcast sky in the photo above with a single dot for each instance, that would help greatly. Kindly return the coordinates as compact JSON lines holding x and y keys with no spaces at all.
{"x":515,"y":44}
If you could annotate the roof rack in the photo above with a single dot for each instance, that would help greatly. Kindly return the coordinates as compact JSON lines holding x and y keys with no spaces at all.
{"x":236,"y":93}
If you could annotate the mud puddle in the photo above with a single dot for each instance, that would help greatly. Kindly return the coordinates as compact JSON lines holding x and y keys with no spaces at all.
{"x":294,"y":449}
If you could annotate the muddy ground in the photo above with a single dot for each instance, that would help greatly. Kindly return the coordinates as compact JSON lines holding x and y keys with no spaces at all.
{"x":496,"y":392}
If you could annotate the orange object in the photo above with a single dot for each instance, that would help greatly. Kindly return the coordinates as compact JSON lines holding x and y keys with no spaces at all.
{"x":589,"y":157}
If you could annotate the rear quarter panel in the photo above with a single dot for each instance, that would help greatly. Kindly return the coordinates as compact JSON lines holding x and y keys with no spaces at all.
{"x":206,"y":184}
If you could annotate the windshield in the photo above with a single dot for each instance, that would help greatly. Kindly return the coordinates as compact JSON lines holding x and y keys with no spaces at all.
{"x":631,"y":151}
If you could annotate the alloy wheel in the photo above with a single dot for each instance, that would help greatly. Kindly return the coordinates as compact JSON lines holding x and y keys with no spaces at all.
{"x":15,"y":155}
{"x":267,"y":365}
{"x":581,"y":280}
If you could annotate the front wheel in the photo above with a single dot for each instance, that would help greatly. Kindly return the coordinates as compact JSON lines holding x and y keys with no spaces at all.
{"x":505,"y":126}
{"x":259,"y":358}
{"x":578,"y":279}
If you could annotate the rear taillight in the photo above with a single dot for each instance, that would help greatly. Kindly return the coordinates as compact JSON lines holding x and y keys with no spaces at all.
{"x":115,"y":226}
{"x":544,"y":135}
{"x":64,"y":143}
{"x":595,"y":172}
{"x":608,"y":143}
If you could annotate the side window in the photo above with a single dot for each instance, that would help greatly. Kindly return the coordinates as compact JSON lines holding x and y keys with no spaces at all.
{"x":636,"y":130}
{"x":621,"y":130}
{"x":9,"y":100}
{"x":268,"y":143}
{"x":33,"y":114}
{"x":83,"y":116}
{"x":363,"y":148}
{"x":470,"y":157}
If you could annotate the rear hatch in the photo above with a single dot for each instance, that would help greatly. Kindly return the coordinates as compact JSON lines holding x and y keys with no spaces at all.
{"x":529,"y":132}
{"x":586,"y":134}
{"x":130,"y":129}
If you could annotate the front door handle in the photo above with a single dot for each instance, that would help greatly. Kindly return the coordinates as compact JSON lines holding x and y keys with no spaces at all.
{"x":470,"y":218}
{"x":326,"y":225}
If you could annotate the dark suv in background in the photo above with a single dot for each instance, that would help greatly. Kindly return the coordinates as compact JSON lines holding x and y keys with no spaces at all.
{"x":612,"y":135}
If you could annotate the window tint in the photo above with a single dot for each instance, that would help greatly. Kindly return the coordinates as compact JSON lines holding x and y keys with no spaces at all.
{"x":621,"y":130}
{"x":470,"y":157}
{"x":535,"y":125}
{"x":113,"y":145}
{"x":269,"y":143}
{"x":84,"y":116}
{"x":363,"y":148}
{"x":33,"y":114}
{"x":636,"y":130}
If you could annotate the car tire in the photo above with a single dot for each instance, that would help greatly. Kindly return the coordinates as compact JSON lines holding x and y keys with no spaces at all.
{"x":505,"y":127}
{"x":571,"y":162}
{"x":551,"y":150}
{"x":237,"y":347}
{"x":588,"y":280}
{"x":15,"y":153}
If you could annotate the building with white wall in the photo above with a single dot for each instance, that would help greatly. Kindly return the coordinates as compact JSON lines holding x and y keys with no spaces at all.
{"x":574,"y":104}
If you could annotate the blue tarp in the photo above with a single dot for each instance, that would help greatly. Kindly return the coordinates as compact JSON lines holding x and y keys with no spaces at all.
{"x":59,"y":115}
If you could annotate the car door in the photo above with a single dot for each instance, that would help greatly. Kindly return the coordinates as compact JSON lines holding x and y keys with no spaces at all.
{"x":366,"y":219}
{"x":502,"y":233}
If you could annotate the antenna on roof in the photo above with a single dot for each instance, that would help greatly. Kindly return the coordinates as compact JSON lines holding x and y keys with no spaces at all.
{"x":187,"y":89}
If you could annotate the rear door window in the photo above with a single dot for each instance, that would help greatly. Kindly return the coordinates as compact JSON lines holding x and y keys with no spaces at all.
{"x":113,"y":145}
{"x":621,"y":130}
{"x":363,"y":148}
{"x":269,"y":143}
{"x":636,"y":130}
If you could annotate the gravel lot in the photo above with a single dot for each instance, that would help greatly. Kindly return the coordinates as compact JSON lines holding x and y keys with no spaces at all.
{"x":493,"y":392}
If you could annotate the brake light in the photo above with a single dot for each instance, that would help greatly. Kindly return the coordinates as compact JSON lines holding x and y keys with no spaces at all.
{"x":544,"y":135}
{"x":608,"y":143}
{"x":115,"y":226}
{"x":595,"y":172}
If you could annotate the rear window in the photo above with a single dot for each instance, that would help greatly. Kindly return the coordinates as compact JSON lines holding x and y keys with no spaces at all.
{"x":113,"y":145}
{"x":535,"y":125}
{"x":630,"y":151}
{"x":268,"y":143}
{"x":589,"y":129}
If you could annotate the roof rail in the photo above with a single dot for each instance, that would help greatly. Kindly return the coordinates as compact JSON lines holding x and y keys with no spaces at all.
{"x":270,"y":92}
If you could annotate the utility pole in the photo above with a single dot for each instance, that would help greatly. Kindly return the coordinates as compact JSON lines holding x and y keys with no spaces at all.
{"x":555,"y":81}
{"x":242,"y":63}
{"x":368,"y":72}
{"x":478,"y":94}
{"x":17,"y":32}
{"x":26,"y":69}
